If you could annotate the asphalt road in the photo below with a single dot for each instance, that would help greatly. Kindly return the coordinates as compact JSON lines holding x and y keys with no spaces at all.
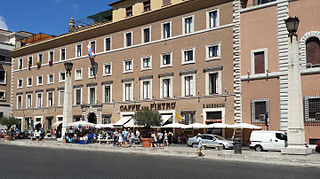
{"x":29,"y":162}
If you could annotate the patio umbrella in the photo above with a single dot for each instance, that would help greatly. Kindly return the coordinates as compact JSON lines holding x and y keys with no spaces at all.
{"x":195,"y":126}
{"x":101,"y":126}
{"x":243,"y":126}
{"x":219,"y":125}
{"x":57,"y":123}
{"x":174,"y":125}
{"x":80,"y":123}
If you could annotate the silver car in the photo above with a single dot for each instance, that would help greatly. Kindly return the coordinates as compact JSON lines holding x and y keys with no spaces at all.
{"x":211,"y":140}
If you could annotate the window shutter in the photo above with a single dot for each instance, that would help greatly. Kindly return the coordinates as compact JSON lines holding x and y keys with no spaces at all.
{"x":313,"y":51}
{"x":259,"y":63}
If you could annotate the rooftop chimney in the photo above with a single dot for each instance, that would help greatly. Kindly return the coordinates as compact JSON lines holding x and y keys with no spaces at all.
{"x":72,"y":25}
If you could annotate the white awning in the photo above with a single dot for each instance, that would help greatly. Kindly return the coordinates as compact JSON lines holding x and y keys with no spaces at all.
{"x":131,"y":124}
{"x":244,"y":126}
{"x":173,"y":125}
{"x":122,"y":121}
{"x":165,"y":118}
{"x":57,"y":123}
{"x":101,"y":126}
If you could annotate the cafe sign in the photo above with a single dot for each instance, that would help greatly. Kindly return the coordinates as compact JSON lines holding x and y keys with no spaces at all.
{"x":152,"y":106}
{"x":214,"y":105}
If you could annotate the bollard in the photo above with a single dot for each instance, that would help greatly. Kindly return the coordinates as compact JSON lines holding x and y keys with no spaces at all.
{"x":237,"y":146}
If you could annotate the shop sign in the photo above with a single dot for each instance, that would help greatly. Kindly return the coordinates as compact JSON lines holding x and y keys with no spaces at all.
{"x":215,"y":105}
{"x":152,"y":106}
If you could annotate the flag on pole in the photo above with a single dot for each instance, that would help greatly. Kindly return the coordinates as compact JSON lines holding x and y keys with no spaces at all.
{"x":178,"y":117}
{"x":90,"y":50}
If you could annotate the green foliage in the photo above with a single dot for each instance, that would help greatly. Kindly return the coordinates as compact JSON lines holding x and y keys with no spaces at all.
{"x":147,"y":118}
{"x":9,"y":121}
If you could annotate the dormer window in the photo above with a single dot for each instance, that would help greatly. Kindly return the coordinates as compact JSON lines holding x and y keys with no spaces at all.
{"x":129,"y":11}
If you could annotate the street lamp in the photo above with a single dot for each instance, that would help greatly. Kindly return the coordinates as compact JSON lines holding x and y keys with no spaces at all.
{"x":67,"y":104}
{"x":296,"y":133}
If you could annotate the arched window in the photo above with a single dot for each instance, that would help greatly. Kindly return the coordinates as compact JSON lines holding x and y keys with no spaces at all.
{"x":313,"y":52}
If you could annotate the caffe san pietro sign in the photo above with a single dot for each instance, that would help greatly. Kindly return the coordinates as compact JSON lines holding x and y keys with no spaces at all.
{"x":152,"y":106}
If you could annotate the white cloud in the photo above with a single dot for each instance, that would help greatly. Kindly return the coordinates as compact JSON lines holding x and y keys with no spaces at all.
{"x":3,"y":24}
{"x":75,"y":6}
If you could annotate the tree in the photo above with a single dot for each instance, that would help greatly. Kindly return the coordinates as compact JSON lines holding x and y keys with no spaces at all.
{"x":147,"y":118}
{"x":9,"y":121}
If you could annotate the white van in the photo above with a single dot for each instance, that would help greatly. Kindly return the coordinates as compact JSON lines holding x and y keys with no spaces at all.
{"x":268,"y":140}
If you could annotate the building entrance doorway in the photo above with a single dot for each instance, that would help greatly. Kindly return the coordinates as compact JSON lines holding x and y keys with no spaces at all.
{"x":92,"y":118}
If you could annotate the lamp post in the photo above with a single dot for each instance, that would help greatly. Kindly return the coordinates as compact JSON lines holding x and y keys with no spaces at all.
{"x":296,"y":134}
{"x":67,"y":103}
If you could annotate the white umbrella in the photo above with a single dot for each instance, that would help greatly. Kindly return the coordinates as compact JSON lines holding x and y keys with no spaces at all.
{"x":174,"y":125}
{"x":81,"y":123}
{"x":57,"y":123}
{"x":219,"y":125}
{"x":101,"y":126}
{"x":195,"y":126}
{"x":244,"y":126}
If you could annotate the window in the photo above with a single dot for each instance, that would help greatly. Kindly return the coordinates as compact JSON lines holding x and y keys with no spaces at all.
{"x":128,"y":91}
{"x":50,"y":99}
{"x":107,"y":93}
{"x":62,"y":54}
{"x":3,"y":76}
{"x":29,"y":100}
{"x":166,"y":60}
{"x":146,"y":63}
{"x":40,"y":58}
{"x":259,"y":109}
{"x":188,"y":56}
{"x":146,"y":6}
{"x":39,"y":80}
{"x":146,"y":35}
{"x":212,"y":19}
{"x":146,"y":90}
{"x":93,"y":45}
{"x":188,"y":25}
{"x":313,"y":52}
{"x":78,"y":74}
{"x":51,"y":56}
{"x":39,"y":100}
{"x":19,"y":101}
{"x":259,"y":2}
{"x":189,"y":86}
{"x":107,"y":69}
{"x":128,"y":66}
{"x":259,"y":61}
{"x":213,"y":52}
{"x":62,"y":76}
{"x":128,"y":39}
{"x":61,"y":97}
{"x":213,"y":82}
{"x":166,"y":2}
{"x":129,"y":11}
{"x":50,"y":78}
{"x":20,"y":63}
{"x":166,"y":89}
{"x":312,"y":108}
{"x":213,"y":117}
{"x":30,"y":62}
{"x":92,"y":95}
{"x":79,"y":50}
{"x":20,"y":83}
{"x":92,"y":72}
{"x":166,"y":30}
{"x":107,"y":43}
{"x":29,"y":81}
{"x":106,"y":119}
{"x":78,"y":94}
{"x":188,"y":117}
{"x":2,"y":95}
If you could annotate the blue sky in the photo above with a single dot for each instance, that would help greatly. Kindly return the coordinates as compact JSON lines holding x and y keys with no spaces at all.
{"x":46,"y":16}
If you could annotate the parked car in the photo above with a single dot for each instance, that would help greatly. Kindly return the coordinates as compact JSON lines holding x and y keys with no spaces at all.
{"x":211,"y":140}
{"x":268,"y":140}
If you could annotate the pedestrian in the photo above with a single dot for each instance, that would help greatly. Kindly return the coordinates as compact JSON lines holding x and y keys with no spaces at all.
{"x":138,"y":134}
{"x":170,"y":135}
{"x":160,"y":139}
{"x":154,"y":141}
{"x":132,"y":136}
{"x":165,"y":142}
{"x":120,"y":139}
{"x":37,"y":134}
{"x":199,"y":145}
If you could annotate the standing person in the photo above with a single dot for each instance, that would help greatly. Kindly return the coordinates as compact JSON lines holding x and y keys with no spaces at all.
{"x":120,"y":139}
{"x":138,"y":134}
{"x":170,"y":137}
{"x":154,"y":141}
{"x":37,"y":134}
{"x":199,"y":145}
{"x":132,"y":136}
{"x":165,"y":142}
{"x":160,"y":139}
{"x":125,"y":137}
{"x":115,"y":137}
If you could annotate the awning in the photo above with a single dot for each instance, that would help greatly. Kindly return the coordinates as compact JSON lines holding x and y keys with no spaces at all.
{"x":195,"y":126}
{"x":219,"y":125}
{"x":122,"y":121}
{"x":173,"y":125}
{"x":101,"y":126}
{"x":165,"y":118}
{"x":80,"y":123}
{"x":57,"y":123}
{"x":36,"y":123}
{"x":131,"y":124}
{"x":243,"y":126}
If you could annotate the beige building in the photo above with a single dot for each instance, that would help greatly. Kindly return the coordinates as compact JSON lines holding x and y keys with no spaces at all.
{"x":175,"y":56}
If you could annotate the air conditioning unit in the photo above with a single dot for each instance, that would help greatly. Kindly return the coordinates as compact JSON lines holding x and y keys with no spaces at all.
{"x":262,"y":117}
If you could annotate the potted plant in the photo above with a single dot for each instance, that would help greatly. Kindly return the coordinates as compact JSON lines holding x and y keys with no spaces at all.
{"x":146,"y":119}
{"x":50,"y":62}
{"x":39,"y":64}
{"x":30,"y":64}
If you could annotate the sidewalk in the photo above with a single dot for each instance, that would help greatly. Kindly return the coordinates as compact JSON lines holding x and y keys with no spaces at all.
{"x":277,"y":158}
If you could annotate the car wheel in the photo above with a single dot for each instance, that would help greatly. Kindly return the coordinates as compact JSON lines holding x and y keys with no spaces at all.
{"x":258,"y":148}
{"x":194,"y":145}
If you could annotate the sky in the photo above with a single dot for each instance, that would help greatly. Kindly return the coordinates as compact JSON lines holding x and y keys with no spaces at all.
{"x":46,"y":16}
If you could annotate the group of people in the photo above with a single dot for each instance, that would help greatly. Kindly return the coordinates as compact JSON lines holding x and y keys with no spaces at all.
{"x":161,"y":139}
{"x":126,"y":138}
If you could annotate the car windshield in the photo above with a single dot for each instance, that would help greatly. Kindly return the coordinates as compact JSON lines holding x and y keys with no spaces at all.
{"x":219,"y":137}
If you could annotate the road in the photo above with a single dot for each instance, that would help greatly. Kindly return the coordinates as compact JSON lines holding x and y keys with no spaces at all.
{"x":29,"y":162}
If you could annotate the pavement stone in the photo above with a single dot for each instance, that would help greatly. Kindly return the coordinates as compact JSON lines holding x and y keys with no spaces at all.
{"x":312,"y":160}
